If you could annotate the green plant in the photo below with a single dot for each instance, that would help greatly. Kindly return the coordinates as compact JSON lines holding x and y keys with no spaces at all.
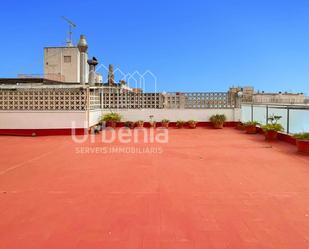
{"x":180,"y":122}
{"x":165,"y":123}
{"x":139,"y":123}
{"x":274,"y":119}
{"x":218,"y":119}
{"x":129,"y":124}
{"x":302,"y":136}
{"x":111,"y":117}
{"x":192,"y":124}
{"x":251,"y":123}
{"x":152,"y":123}
{"x":272,"y":127}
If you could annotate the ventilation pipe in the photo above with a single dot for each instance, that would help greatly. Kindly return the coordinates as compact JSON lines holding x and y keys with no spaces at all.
{"x":83,"y":47}
{"x":92,"y":74}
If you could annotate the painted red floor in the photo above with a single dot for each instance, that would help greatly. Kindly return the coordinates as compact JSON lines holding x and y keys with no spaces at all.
{"x":209,"y":189}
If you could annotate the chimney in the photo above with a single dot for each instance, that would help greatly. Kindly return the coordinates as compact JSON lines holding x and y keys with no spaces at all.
{"x":83,"y":47}
{"x":111,"y":77}
{"x":92,"y":74}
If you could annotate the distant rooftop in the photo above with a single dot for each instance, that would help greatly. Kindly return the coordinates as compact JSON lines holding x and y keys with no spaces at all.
{"x":29,"y":80}
{"x":14,"y":83}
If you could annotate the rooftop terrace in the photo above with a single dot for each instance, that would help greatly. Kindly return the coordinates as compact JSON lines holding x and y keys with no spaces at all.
{"x":214,"y":189}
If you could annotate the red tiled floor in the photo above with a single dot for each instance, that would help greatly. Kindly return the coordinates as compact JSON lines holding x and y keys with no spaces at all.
{"x":214,"y":189}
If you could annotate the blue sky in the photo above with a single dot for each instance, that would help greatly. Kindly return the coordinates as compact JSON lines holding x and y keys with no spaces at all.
{"x":189,"y":45}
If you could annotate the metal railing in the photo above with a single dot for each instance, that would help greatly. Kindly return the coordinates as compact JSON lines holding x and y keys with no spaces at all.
{"x":294,"y":118}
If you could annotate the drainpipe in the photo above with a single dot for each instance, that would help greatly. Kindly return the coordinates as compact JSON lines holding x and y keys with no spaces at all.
{"x":88,"y":108}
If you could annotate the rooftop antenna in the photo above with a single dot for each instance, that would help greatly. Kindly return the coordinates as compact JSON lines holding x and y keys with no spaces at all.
{"x":71,"y":26}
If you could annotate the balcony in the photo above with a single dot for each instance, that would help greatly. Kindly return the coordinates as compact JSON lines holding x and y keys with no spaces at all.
{"x":206,"y":189}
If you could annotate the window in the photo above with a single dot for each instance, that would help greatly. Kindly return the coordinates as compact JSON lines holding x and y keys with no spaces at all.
{"x":67,"y":59}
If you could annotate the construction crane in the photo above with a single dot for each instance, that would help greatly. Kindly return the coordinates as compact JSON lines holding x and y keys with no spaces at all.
{"x":71,"y":26}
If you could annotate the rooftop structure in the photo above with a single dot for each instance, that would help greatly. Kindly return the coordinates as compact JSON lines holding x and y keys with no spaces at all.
{"x":67,"y":64}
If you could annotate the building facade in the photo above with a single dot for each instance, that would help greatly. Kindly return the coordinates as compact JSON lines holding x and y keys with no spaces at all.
{"x":279,"y":98}
{"x":62,"y":64}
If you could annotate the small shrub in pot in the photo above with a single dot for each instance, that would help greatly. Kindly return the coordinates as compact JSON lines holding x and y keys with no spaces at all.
{"x":302,"y":142}
{"x":250,"y":127}
{"x":165,"y":123}
{"x":139,"y":124}
{"x":129,"y":124}
{"x":180,"y":124}
{"x":271,"y":130}
{"x":218,"y":120}
{"x":111,"y":119}
{"x":192,"y":124}
{"x":152,"y":123}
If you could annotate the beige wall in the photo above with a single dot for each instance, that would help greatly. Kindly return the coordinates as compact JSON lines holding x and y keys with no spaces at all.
{"x":42,"y":119}
{"x":85,"y":119}
{"x":94,"y":117}
{"x":55,"y":68}
{"x":176,"y":114}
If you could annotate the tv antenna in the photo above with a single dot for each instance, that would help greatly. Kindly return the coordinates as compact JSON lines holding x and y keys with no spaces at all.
{"x":71,"y":26}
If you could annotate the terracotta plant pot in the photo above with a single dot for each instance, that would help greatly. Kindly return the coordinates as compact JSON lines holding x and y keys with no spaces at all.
{"x":152,"y":124}
{"x":271,"y":135}
{"x":218,"y":125}
{"x":164,"y":124}
{"x":192,"y":125}
{"x":179,"y":126}
{"x":139,"y":125}
{"x":303,"y":146}
{"x":251,"y":129}
{"x":111,"y":124}
{"x":129,"y":125}
{"x":240,"y":127}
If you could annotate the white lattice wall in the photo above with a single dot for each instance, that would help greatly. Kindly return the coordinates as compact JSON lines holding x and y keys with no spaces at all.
{"x":43,"y":99}
{"x":94,"y":99}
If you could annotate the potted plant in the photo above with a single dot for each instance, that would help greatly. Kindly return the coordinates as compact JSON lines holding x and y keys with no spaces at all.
{"x":218,"y":120}
{"x":111,"y":119}
{"x":250,"y":127}
{"x":139,"y":124}
{"x":240,"y":126}
{"x":180,"y":124}
{"x":192,"y":124}
{"x":302,"y":142}
{"x":152,"y":123}
{"x":271,"y":130}
{"x":129,"y":124}
{"x":165,"y":123}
